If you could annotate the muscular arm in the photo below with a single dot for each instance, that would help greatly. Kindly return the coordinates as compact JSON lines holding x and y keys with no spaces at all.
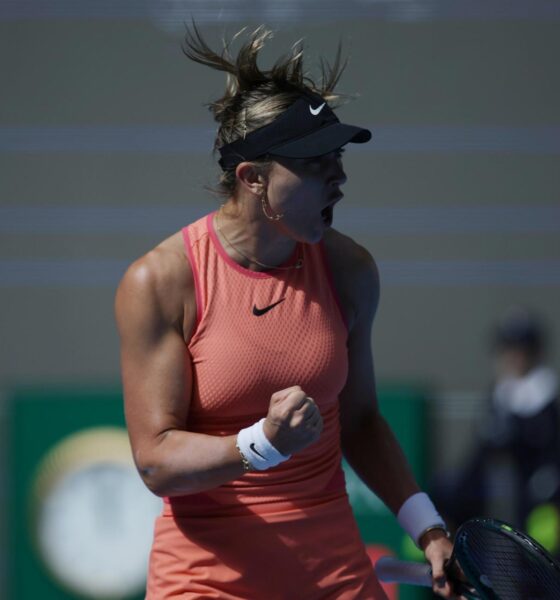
{"x":154,"y":306}
{"x":368,"y":443}
{"x":156,"y":312}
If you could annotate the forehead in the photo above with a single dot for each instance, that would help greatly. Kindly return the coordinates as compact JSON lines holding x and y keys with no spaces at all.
{"x":287,"y":168}
{"x":310,"y":162}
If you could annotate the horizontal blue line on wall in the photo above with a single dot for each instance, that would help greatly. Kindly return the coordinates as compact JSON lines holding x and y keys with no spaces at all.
{"x":355,"y":220}
{"x":418,"y":273}
{"x":173,"y":13}
{"x":144,"y":139}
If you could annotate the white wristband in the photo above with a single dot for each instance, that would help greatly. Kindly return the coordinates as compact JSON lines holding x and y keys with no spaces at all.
{"x":255,"y":447}
{"x":418,"y":514}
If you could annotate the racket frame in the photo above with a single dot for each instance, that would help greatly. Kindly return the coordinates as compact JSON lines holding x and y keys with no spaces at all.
{"x":465,"y":578}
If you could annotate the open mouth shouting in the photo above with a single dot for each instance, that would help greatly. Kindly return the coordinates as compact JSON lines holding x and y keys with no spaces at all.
{"x":327,"y":215}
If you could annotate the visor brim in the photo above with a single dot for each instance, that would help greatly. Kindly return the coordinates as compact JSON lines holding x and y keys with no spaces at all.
{"x":322,"y":141}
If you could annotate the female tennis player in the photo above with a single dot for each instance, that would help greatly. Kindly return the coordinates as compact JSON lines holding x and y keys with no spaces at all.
{"x":247,"y":365}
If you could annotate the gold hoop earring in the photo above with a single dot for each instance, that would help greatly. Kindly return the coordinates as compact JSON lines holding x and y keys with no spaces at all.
{"x":264,"y":209}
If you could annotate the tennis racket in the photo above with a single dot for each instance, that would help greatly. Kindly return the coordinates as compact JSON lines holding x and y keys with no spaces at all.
{"x":490,"y":561}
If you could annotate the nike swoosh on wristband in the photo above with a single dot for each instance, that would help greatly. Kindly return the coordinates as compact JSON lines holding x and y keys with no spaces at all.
{"x":258,"y":312}
{"x":252,"y":446}
{"x":316,"y":111}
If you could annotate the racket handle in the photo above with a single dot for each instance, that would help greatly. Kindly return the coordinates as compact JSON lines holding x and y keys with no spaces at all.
{"x":390,"y":569}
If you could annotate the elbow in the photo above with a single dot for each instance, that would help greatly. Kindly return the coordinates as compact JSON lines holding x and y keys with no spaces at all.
{"x":153,"y":480}
{"x":153,"y":472}
{"x":160,"y":479}
{"x":354,"y":427}
{"x":360,"y":436}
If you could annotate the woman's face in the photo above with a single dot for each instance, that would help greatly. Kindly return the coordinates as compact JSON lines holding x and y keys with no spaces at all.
{"x":304,"y":191}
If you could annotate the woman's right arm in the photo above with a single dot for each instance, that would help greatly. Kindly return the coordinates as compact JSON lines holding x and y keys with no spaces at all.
{"x":154,"y":305}
{"x":156,"y":311}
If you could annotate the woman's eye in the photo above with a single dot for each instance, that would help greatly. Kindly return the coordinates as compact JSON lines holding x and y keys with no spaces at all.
{"x":337,"y":154}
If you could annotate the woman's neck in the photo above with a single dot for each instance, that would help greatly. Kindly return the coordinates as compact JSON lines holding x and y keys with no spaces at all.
{"x":250,"y":239}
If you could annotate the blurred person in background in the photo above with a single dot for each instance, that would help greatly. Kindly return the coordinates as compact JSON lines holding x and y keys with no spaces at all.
{"x":247,"y":367}
{"x":522,"y":428}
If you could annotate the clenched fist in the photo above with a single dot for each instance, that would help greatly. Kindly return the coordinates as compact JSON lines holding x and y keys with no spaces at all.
{"x":293,"y":421}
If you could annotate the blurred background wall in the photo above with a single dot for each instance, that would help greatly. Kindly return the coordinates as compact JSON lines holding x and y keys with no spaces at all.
{"x":105,"y":149}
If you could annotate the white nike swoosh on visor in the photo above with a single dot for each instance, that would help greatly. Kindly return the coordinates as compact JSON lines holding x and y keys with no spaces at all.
{"x":316,"y":111}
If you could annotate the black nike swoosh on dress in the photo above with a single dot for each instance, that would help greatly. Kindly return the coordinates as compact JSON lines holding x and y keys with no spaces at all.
{"x":258,"y":312}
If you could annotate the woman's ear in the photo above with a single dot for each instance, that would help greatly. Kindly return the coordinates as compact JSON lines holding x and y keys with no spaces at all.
{"x":250,"y":177}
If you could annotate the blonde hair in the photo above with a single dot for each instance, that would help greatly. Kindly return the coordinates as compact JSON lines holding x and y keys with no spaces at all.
{"x":255,"y":97}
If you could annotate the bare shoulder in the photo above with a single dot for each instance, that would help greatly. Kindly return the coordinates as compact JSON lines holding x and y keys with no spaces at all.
{"x":158,"y":287}
{"x":355,"y":274}
{"x":346,"y":250}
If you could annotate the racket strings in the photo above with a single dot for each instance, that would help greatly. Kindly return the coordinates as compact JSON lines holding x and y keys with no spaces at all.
{"x":507,"y":568}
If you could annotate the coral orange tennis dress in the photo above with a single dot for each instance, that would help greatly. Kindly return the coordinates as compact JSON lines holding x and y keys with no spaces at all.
{"x":287,"y":533}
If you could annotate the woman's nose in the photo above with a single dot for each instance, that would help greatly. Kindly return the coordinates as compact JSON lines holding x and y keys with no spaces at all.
{"x":339,"y":176}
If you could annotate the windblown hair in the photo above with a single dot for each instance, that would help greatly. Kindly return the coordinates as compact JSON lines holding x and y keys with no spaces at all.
{"x":255,"y":97}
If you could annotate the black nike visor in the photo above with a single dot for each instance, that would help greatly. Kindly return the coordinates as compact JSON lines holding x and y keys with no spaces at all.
{"x":308,"y":128}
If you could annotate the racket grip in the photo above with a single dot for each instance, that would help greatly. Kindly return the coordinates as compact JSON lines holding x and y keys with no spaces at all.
{"x":393,"y":570}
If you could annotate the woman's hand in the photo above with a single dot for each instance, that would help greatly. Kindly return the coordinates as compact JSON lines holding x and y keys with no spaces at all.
{"x":293,"y":421}
{"x":438,"y":549}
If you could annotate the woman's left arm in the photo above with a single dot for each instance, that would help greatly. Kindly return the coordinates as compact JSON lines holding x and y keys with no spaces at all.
{"x":368,"y":443}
